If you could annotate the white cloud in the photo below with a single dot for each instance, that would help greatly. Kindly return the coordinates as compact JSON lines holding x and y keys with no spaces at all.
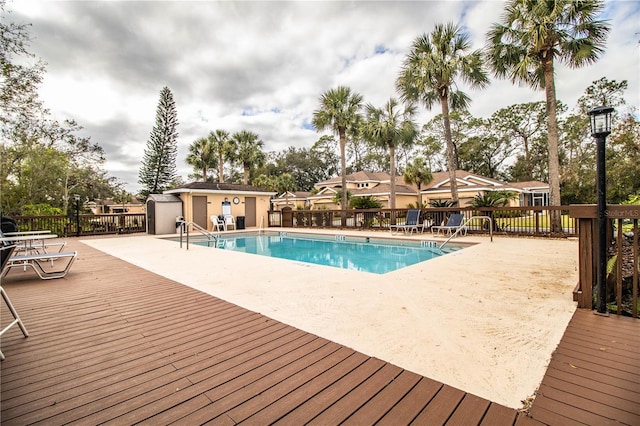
{"x":107,"y":62}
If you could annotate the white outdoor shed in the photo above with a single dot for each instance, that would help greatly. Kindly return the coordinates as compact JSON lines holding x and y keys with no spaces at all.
{"x":162,"y":212}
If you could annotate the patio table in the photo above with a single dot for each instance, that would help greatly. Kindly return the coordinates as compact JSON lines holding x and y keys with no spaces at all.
{"x":32,"y":244}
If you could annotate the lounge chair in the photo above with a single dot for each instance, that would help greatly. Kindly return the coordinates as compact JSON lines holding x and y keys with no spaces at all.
{"x":454,"y":223}
{"x":410,"y":225}
{"x":218,"y":225}
{"x":37,"y":261}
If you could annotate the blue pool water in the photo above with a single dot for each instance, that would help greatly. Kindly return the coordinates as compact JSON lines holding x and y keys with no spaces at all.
{"x":377,"y":256}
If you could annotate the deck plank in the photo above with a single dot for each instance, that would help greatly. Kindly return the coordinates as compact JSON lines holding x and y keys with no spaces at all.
{"x":117,"y":344}
{"x":441,"y":407}
{"x":385,"y":400}
{"x":471,"y":411}
{"x":407,"y":409}
{"x":339,"y":412}
{"x":499,"y":415}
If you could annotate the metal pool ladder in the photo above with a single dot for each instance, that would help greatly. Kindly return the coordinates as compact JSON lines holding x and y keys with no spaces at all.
{"x":211,"y":237}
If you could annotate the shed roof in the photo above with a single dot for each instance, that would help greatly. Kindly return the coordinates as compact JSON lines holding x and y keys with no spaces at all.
{"x":218,"y":187}
{"x":164,"y":198}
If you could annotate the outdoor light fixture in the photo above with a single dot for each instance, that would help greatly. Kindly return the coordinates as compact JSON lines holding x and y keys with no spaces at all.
{"x":77,"y":198}
{"x":600,"y":119}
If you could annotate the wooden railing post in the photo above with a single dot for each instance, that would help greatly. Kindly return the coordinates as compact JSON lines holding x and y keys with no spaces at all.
{"x":616,"y":290}
{"x":587,"y":231}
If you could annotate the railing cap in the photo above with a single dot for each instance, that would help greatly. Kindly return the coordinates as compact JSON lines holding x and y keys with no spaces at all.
{"x":613,"y":211}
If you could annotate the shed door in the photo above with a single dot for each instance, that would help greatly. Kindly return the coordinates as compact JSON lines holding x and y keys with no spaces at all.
{"x":250,"y":211}
{"x":200,"y":210}
{"x":151,"y":217}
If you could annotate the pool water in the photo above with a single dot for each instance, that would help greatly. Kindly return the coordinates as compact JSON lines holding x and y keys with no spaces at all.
{"x":377,"y":256}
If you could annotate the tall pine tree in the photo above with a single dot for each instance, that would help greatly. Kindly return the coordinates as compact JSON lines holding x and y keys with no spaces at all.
{"x":159,"y":163}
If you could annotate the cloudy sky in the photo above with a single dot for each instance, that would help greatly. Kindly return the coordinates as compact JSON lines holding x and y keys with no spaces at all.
{"x":260,"y":66}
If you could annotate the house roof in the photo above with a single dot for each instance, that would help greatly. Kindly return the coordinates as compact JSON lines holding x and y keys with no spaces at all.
{"x":218,"y":187}
{"x":463,"y":179}
{"x":380,"y":189}
{"x":360,"y":176}
{"x":296,"y":195}
{"x":530,"y":185}
{"x":468,"y":181}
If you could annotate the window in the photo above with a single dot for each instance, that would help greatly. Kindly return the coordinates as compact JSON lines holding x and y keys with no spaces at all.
{"x":540,"y":199}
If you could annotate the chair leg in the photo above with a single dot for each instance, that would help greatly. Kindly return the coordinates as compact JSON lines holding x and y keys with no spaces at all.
{"x":16,"y":320}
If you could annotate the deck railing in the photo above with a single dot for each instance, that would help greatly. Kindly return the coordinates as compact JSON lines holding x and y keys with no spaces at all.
{"x":531,"y":221}
{"x":623,"y":257}
{"x":84,"y":224}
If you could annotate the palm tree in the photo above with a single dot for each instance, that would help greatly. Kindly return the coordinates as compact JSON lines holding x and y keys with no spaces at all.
{"x":418,"y":173}
{"x":492,"y":199}
{"x":389,"y":127}
{"x":248,"y":151}
{"x":525,"y":46}
{"x":222,"y":147}
{"x":430,"y":73}
{"x":201,"y":156}
{"x":339,"y":111}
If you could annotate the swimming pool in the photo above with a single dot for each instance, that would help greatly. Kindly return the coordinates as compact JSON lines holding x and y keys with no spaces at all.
{"x":367,"y":254}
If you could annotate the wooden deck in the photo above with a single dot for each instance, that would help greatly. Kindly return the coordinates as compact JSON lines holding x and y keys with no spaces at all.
{"x":594,"y":375}
{"x":113,"y":343}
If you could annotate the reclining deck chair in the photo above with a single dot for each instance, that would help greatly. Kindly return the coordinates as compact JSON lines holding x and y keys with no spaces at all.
{"x":37,"y":262}
{"x":454,"y":223}
{"x":410,"y":225}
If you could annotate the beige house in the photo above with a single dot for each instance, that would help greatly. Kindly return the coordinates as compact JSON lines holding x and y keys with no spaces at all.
{"x":378,"y":185}
{"x":297,"y":200}
{"x":532,"y":193}
{"x":362,"y":184}
{"x":110,"y":206}
{"x":201,"y":200}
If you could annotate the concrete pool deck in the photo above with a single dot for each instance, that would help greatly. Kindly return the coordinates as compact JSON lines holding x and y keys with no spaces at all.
{"x":485,"y":319}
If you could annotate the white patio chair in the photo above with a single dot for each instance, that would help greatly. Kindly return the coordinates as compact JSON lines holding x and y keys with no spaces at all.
{"x":217,"y":224}
{"x":229,"y":221}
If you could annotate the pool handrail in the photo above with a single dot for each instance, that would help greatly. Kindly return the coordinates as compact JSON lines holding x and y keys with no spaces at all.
{"x":464,"y":226}
{"x":211,"y":237}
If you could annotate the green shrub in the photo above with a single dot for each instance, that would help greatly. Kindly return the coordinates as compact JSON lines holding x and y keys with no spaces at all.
{"x":41,"y":209}
{"x":367,"y":202}
{"x":441,"y":203}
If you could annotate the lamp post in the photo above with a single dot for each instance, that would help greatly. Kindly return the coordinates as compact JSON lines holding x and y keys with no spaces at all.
{"x":77,"y":198}
{"x":600,"y":119}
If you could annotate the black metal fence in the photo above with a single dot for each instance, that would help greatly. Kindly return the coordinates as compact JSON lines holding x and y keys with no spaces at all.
{"x":534,"y":221}
{"x":84,"y":224}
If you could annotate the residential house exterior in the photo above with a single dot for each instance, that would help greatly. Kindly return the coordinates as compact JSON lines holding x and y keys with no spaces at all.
{"x":361,"y":184}
{"x":531,"y":193}
{"x":109,"y":206}
{"x":378,"y":185}
{"x":297,"y":200}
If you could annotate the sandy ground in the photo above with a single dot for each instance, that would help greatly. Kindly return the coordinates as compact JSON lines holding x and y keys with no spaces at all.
{"x":485,"y":319}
